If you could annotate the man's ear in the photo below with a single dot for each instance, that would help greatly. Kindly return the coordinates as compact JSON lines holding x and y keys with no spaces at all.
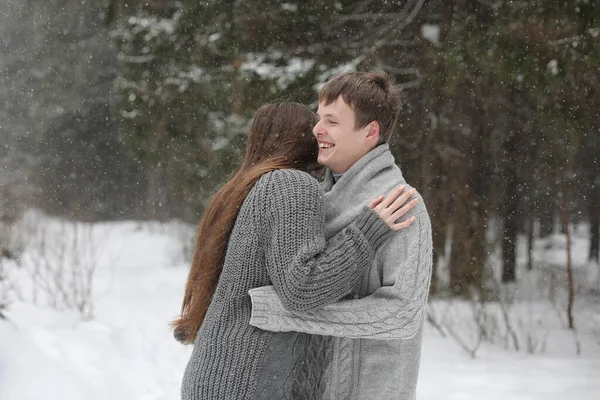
{"x":373,"y":131}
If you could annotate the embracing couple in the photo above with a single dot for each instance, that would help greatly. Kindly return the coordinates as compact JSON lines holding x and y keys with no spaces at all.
{"x":308,"y":290}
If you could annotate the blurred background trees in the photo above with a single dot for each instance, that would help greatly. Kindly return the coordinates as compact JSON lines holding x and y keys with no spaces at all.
{"x":139,"y":109}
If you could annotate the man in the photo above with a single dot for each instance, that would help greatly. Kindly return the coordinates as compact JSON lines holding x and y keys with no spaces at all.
{"x":377,"y":331}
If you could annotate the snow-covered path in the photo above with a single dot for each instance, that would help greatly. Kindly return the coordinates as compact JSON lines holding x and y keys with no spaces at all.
{"x":126,"y":351}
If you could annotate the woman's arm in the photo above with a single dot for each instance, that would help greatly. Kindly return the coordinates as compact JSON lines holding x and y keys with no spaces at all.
{"x":307,"y":270}
{"x":391,"y":312}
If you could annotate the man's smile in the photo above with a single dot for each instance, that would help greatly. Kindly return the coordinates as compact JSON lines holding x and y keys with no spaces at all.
{"x":325,"y":145}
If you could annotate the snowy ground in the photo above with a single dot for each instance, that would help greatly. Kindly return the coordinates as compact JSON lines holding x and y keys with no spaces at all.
{"x":126,"y":352}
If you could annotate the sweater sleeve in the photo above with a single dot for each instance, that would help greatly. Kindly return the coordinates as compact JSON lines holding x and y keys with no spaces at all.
{"x":306,"y":270}
{"x":390,"y":312}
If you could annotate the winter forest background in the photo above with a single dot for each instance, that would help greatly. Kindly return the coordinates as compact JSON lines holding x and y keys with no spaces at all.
{"x":120,"y":118}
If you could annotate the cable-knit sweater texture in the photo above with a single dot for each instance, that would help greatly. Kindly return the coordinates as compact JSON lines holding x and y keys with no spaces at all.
{"x":377,"y":332}
{"x":278,"y":239}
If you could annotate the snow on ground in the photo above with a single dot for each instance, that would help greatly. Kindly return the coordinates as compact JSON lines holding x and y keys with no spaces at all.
{"x":448,"y":374}
{"x":126,"y":351}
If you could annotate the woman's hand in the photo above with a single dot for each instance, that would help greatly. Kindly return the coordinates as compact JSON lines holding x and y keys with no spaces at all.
{"x":395,"y":206}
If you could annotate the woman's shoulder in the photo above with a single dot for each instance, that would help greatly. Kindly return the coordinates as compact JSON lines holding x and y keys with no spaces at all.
{"x":290,"y":182}
{"x":288,"y":194}
{"x":292,"y":175}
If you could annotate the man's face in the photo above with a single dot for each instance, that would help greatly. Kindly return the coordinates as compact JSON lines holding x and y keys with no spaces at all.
{"x":340,"y":145}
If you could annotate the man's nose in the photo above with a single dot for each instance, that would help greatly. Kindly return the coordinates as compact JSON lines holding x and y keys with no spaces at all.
{"x":318,"y":129}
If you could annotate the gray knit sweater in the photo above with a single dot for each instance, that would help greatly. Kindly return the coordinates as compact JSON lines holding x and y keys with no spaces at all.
{"x":376,"y":345}
{"x":278,"y":239}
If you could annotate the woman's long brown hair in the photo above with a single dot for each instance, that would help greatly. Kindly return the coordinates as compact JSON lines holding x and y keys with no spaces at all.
{"x":280,"y":137}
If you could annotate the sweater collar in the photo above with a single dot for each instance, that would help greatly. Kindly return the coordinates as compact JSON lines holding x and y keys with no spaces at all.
{"x":378,"y":158}
{"x":374,"y":174}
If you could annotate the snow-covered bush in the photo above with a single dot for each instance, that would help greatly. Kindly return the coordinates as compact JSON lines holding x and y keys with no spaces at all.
{"x":10,"y":247}
{"x":61,"y":259}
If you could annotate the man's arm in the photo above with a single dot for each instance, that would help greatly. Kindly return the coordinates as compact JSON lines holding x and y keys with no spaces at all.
{"x":391,"y":312}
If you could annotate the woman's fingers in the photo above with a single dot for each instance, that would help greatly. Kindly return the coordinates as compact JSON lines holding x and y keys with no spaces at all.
{"x":401,"y":200}
{"x":391,"y":197}
{"x":376,"y":201}
{"x":393,"y":207}
{"x":403,"y":224}
{"x":403,"y":210}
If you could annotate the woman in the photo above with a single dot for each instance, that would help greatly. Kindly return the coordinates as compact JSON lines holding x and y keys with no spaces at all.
{"x":265,"y":226}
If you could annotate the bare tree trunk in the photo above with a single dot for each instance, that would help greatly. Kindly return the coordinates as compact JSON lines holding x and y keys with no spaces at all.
{"x":594,"y":205}
{"x":565,"y":220}
{"x":595,"y":239}
{"x":509,"y":241}
{"x":468,"y":251}
{"x":459,"y":260}
{"x":546,"y":218}
{"x":509,"y":234}
{"x":530,"y":238}
{"x":468,"y":217}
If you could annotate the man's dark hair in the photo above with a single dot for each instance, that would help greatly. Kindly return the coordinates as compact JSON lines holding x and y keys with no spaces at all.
{"x":374,"y":96}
